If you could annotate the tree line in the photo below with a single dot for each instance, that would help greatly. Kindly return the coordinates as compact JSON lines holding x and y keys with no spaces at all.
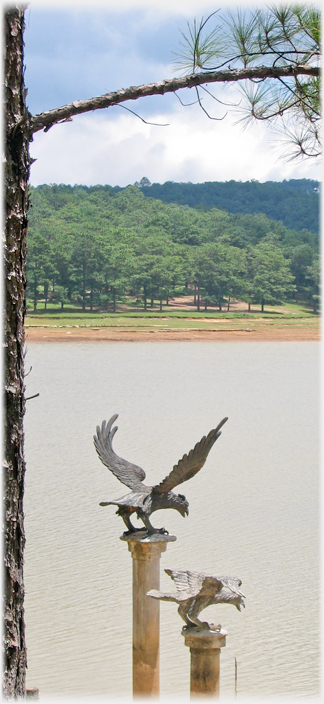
{"x":295,"y":202}
{"x":99,"y":246}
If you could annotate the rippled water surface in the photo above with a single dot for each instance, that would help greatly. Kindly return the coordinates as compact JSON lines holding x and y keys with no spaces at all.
{"x":254,"y":509}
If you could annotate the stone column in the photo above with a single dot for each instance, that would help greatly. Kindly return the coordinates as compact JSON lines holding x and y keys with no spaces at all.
{"x":205,"y":648}
{"x":146,"y":552}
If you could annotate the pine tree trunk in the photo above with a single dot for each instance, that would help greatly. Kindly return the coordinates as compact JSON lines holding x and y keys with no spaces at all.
{"x":45,"y":294}
{"x":35,"y":296}
{"x":83,"y":287}
{"x":17,"y":202}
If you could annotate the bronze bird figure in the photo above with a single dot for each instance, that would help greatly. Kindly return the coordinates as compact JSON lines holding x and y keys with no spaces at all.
{"x":144,"y":500}
{"x":196,"y":591}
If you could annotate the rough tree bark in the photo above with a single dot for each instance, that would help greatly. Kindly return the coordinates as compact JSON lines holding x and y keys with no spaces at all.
{"x":16,"y":207}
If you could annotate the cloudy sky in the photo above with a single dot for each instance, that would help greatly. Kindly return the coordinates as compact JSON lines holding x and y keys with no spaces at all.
{"x":76,"y":51}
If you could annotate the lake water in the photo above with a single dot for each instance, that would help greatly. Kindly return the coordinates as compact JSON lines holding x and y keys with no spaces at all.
{"x":254,"y":509}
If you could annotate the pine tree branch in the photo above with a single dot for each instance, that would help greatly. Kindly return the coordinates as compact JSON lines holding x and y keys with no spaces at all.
{"x":45,"y":120}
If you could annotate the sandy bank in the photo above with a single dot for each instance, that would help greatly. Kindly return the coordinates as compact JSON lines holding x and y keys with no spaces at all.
{"x":270,"y":334}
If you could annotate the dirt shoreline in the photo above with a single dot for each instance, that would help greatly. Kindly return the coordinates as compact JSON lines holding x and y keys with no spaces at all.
{"x":293,"y":334}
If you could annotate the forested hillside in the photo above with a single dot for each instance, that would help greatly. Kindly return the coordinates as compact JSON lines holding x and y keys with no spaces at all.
{"x":294,"y":202}
{"x":98,"y":246}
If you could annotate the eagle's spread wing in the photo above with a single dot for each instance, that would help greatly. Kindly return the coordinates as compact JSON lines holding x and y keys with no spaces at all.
{"x":190,"y":464}
{"x":233,"y":584}
{"x":188,"y":584}
{"x":126,"y":472}
{"x":191,"y":584}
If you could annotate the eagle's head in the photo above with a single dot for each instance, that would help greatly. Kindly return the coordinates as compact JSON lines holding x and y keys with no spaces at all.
{"x":238,"y":602}
{"x":181,"y":504}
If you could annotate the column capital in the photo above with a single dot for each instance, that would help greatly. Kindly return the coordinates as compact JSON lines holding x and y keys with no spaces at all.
{"x":146,"y":547}
{"x":204,"y":639}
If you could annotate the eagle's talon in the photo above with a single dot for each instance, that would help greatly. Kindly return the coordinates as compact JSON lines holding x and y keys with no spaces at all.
{"x":215,"y":629}
{"x":133,"y":530}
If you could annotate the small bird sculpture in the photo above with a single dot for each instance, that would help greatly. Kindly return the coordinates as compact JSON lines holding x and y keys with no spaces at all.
{"x":144,"y":500}
{"x":196,"y":591}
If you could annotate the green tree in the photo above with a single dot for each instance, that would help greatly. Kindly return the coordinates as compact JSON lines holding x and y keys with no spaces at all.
{"x":118,"y":267}
{"x":301,"y":258}
{"x":271,"y":278}
{"x":169,"y":275}
{"x":313,"y":278}
{"x":87,"y":263}
{"x":63,"y":271}
{"x":40,"y":266}
{"x":60,"y":295}
{"x":219,"y":273}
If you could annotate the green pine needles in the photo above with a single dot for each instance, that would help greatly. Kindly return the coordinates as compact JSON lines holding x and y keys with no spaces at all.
{"x":271,"y":37}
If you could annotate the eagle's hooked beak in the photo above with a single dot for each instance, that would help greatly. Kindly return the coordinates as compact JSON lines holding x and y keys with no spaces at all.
{"x":183,"y":509}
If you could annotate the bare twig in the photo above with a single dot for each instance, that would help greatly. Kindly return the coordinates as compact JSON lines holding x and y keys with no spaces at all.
{"x":156,"y":124}
{"x":29,"y":397}
{"x":185,"y":105}
{"x":228,"y":105}
{"x":205,"y":111}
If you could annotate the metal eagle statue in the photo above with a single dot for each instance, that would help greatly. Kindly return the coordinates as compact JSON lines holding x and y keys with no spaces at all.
{"x":144,"y":500}
{"x":196,"y":591}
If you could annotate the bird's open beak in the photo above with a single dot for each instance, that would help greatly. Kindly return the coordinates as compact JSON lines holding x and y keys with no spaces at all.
{"x":186,"y":511}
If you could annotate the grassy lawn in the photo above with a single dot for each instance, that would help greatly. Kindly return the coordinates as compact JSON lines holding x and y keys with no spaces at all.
{"x":173,"y":318}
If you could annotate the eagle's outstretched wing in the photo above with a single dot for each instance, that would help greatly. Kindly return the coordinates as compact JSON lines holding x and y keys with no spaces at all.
{"x":193,"y":584}
{"x":233,"y":584}
{"x":127,"y":473}
{"x":188,"y":584}
{"x":190,"y":464}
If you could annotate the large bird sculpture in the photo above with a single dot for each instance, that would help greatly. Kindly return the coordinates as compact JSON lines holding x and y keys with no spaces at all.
{"x":144,"y":500}
{"x":196,"y":591}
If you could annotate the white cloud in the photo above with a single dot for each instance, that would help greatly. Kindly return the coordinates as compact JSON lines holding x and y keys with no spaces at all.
{"x":119,"y":149}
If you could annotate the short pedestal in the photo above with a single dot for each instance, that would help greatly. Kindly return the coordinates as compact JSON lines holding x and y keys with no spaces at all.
{"x":146,"y":552}
{"x":205,"y":648}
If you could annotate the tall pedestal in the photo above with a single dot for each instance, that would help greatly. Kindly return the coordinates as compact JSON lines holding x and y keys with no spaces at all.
{"x":146,"y":552}
{"x":205,"y":648}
